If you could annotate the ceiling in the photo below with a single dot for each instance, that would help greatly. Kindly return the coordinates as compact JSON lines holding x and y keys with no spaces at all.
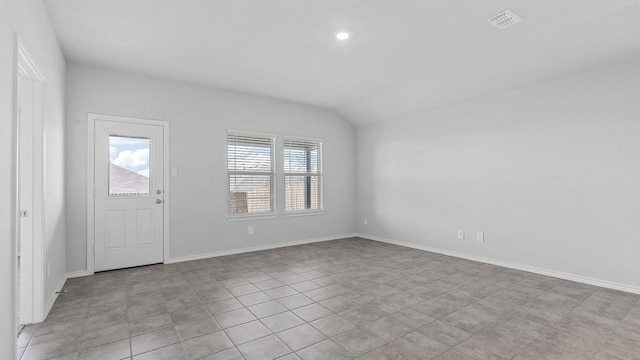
{"x":404,"y":57}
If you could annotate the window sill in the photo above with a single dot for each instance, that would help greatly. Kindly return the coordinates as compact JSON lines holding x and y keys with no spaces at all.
{"x":244,"y":217}
{"x":303,"y":213}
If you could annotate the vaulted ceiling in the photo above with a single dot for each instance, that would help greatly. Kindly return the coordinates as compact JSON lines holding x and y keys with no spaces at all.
{"x":404,"y":57}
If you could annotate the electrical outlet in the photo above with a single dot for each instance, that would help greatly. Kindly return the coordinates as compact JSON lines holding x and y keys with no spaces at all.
{"x":365,"y":221}
{"x":480,"y":236}
{"x":250,"y":230}
{"x":460,"y":234}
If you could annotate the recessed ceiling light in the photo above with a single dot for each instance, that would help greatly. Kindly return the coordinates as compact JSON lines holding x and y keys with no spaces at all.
{"x":342,"y":35}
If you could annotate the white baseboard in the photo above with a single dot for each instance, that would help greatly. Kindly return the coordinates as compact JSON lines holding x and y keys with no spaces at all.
{"x":532,"y":269}
{"x":76,"y":274}
{"x":53,"y":297}
{"x":256,"y":248}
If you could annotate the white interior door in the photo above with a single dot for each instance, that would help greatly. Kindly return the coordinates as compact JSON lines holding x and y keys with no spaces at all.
{"x":129,"y":194}
{"x":30,"y":187}
{"x":25,"y":196}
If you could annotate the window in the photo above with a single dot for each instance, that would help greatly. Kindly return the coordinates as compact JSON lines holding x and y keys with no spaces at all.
{"x":129,"y":166}
{"x":302,"y":174}
{"x":251,"y":173}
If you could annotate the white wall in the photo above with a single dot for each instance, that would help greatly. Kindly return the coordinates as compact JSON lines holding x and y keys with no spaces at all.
{"x":200,"y":117}
{"x":29,"y":19}
{"x":551,"y":174}
{"x":37,"y":34}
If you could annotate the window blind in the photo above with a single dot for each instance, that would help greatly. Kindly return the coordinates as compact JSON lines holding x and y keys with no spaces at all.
{"x":251,"y":173}
{"x":302,"y":174}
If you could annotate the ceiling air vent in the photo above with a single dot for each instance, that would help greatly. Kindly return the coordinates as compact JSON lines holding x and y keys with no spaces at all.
{"x":504,"y":19}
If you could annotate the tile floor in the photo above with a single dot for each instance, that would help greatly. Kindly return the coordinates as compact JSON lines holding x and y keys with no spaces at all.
{"x":344,"y":299}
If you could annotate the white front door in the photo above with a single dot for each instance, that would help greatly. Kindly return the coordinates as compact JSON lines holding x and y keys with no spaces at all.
{"x":129,"y":194}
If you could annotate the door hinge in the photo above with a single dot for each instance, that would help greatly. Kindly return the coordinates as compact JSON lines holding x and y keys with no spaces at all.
{"x":94,"y":136}
{"x":24,"y":213}
{"x":94,"y":192}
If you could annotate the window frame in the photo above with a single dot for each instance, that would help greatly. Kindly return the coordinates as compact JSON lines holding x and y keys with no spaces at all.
{"x":273,"y":174}
{"x":319,"y":174}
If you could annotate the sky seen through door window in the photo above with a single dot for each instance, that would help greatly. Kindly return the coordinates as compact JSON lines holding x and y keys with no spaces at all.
{"x":130,"y":153}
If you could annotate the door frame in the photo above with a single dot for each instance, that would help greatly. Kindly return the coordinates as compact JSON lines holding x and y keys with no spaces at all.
{"x":31,"y":254}
{"x":91,"y":121}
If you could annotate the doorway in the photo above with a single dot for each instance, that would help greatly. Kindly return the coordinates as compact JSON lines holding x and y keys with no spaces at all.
{"x":129,"y":192}
{"x":30,"y":173}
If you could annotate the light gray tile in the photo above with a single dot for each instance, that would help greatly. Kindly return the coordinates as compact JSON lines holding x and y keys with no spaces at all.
{"x":282,"y":321}
{"x":338,"y":304}
{"x":102,"y":320}
{"x":362,"y":315}
{"x":267,"y":309}
{"x":269,"y":284}
{"x":154,"y":340}
{"x":229,"y":354}
{"x":320,"y":294}
{"x":582,"y":328}
{"x":576,"y":344}
{"x":50,"y":349}
{"x":312,"y":312}
{"x":471,"y":319}
{"x":452,"y":355}
{"x":265,"y":348}
{"x":215,"y":295}
{"x":295,"y":301}
{"x":300,"y":336}
{"x":280,"y":292}
{"x":142,"y":311}
{"x":247,"y":332}
{"x":359,"y":341}
{"x":198,"y":327}
{"x":389,"y":328}
{"x":115,"y":350}
{"x":542,"y":350}
{"x":484,"y":310}
{"x":333,"y":325}
{"x":234,"y":317}
{"x":622,"y":347}
{"x":255,"y":298}
{"x":171,"y":352}
{"x":444,"y":333}
{"x":243,"y":290}
{"x":207,"y":344}
{"x":493,"y":345}
{"x":414,"y":346}
{"x":103,"y":336}
{"x":291,"y":356}
{"x":323,"y":350}
{"x":187,"y":315}
{"x":149,"y":324}
{"x":305,"y":286}
{"x":441,"y":306}
{"x":218,"y":307}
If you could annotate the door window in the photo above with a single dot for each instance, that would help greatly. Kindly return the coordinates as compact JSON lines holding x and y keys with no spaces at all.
{"x":129,"y":166}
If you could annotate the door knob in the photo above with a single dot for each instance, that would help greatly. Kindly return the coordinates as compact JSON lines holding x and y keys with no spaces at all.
{"x":158,"y":201}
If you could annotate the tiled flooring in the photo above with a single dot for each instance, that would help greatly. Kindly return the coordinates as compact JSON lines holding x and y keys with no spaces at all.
{"x":343,"y":299}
